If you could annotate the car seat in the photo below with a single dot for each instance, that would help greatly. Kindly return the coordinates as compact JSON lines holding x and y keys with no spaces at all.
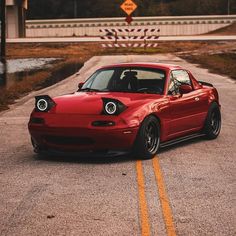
{"x":130,"y":81}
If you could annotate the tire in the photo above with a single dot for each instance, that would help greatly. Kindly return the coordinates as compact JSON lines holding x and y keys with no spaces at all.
{"x":148,"y":139}
{"x":213,"y":122}
{"x":36,"y":148}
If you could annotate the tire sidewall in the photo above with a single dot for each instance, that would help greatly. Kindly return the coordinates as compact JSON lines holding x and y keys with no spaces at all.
{"x":210,"y":134}
{"x":140,"y":148}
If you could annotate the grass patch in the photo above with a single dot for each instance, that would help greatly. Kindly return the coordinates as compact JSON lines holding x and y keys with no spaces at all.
{"x":222,"y":63}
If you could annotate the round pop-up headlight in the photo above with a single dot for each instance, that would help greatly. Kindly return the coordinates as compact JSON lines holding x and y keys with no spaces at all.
{"x":42,"y":104}
{"x":111,"y":108}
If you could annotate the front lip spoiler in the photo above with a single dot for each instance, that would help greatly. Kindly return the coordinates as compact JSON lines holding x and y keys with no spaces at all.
{"x":88,"y":154}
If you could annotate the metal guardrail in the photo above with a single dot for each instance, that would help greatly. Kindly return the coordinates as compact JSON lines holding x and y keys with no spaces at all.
{"x":137,"y":20}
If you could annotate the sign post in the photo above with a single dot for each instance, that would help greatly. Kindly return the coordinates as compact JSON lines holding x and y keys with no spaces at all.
{"x":3,"y":30}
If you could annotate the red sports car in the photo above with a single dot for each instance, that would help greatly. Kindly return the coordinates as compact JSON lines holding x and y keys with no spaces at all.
{"x":130,"y":107}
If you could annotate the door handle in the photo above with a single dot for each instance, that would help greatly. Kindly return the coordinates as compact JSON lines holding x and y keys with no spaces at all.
{"x":197,"y":99}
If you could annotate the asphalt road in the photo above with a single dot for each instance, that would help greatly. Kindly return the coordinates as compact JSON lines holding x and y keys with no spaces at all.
{"x":98,"y":39}
{"x":188,"y":189}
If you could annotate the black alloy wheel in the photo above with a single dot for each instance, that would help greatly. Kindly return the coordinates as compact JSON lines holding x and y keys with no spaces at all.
{"x":215,"y":122}
{"x":151,"y":136}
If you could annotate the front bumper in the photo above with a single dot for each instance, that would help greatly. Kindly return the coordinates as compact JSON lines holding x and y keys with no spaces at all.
{"x":76,"y":133}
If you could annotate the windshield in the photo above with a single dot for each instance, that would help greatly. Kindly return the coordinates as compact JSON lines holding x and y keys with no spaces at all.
{"x":127,"y":79}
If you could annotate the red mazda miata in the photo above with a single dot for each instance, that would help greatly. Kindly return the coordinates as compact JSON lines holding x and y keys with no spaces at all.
{"x":130,"y":107}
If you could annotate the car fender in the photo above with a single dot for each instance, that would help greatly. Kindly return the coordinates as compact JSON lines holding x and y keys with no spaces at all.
{"x":135,"y":116}
{"x":213,"y":97}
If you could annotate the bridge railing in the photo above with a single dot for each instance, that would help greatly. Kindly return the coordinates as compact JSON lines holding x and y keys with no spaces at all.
{"x":169,"y":26}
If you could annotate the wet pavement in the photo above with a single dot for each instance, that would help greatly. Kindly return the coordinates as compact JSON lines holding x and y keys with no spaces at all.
{"x":17,"y":70}
{"x":26,"y":64}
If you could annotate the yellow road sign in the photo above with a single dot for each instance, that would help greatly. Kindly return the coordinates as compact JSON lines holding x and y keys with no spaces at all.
{"x":128,"y":7}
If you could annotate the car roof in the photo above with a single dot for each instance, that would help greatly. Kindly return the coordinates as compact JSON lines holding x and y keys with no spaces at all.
{"x":145,"y":64}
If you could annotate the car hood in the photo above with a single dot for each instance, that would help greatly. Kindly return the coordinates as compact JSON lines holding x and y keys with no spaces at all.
{"x":90,"y":103}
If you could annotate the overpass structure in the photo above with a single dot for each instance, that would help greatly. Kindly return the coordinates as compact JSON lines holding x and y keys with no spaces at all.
{"x":169,"y":26}
{"x":15,"y":18}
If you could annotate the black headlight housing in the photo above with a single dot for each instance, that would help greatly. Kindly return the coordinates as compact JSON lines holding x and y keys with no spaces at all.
{"x":112,"y":106}
{"x":44,"y":103}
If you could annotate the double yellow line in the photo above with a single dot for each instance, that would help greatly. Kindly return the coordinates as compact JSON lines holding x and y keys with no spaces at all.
{"x":166,"y":209}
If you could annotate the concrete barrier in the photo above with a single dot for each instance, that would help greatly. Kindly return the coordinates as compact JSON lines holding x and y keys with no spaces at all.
{"x":169,"y":26}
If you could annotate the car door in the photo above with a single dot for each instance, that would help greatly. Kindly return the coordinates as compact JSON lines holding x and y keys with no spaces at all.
{"x":185,"y":109}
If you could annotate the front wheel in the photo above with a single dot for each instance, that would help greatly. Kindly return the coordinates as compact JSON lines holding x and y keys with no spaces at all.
{"x":213,"y":122}
{"x":148,"y":138}
{"x":36,"y":148}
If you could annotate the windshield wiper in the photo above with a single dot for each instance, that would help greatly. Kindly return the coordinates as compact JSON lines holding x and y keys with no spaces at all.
{"x":90,"y":90}
{"x":121,"y":91}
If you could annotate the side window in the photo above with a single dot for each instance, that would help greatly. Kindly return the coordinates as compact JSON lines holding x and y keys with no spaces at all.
{"x":180,"y":77}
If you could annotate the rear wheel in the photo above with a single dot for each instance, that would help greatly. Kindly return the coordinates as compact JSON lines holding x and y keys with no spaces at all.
{"x":148,"y":138}
{"x":213,"y":122}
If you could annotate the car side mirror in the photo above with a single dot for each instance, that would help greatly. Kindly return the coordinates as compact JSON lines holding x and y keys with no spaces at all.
{"x":184,"y":88}
{"x":80,"y":85}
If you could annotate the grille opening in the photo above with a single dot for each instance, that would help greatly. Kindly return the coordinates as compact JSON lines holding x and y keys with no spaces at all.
{"x":62,"y":140}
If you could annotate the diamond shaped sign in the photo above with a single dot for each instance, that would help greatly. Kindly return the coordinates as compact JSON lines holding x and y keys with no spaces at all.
{"x":128,"y":7}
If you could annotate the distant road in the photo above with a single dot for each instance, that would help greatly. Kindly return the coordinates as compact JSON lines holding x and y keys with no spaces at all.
{"x":97,"y":39}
